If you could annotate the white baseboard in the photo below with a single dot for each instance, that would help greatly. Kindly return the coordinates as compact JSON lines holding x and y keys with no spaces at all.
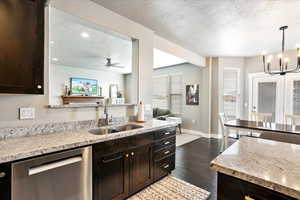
{"x":206,"y":135}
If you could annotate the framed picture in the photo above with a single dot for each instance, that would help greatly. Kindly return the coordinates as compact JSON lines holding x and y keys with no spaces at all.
{"x":192,"y":94}
{"x":113,"y":91}
{"x":83,"y":86}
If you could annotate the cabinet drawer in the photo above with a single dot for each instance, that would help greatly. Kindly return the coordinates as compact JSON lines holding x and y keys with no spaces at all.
{"x":164,"y":133}
{"x":164,"y":152}
{"x":164,"y":143}
{"x":164,"y":167}
{"x":123,"y":144}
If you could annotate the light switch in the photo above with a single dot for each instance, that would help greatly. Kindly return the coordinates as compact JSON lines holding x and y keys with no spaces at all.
{"x":27,"y":113}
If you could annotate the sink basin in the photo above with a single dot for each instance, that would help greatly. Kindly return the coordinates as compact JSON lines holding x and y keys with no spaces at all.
{"x":114,"y":129}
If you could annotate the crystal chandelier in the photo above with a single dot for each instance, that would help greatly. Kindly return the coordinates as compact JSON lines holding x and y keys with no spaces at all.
{"x":283,"y":61}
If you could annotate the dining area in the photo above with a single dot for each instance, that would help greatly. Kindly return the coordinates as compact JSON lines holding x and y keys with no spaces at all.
{"x":260,"y":125}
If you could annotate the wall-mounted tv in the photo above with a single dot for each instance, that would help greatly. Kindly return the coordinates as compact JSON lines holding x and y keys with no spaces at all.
{"x":83,"y":86}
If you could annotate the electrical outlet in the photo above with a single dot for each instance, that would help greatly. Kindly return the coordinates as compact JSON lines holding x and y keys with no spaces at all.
{"x":27,"y":113}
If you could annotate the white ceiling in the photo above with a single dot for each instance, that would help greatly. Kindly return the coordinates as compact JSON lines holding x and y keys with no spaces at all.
{"x":69,"y":48}
{"x":217,"y":27}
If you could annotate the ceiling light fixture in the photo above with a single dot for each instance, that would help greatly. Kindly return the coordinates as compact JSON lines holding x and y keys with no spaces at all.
{"x":85,"y":35}
{"x":283,"y":60}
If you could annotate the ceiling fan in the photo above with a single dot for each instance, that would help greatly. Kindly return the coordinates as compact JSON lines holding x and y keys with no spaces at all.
{"x":110,"y":64}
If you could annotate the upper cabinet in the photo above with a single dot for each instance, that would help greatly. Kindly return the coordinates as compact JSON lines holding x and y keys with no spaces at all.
{"x":22,"y":46}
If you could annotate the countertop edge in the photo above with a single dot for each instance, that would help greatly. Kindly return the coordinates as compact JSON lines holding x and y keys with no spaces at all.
{"x":255,"y":180}
{"x":47,"y":150}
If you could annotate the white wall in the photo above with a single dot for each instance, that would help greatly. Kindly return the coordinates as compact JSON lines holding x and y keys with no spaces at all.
{"x":60,"y":75}
{"x":176,"y":50}
{"x":194,"y":116}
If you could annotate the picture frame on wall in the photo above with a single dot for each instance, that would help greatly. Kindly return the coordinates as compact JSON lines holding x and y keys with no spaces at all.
{"x":192,"y":94}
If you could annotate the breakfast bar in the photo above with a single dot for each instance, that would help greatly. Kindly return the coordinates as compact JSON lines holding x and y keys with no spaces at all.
{"x":254,"y":168}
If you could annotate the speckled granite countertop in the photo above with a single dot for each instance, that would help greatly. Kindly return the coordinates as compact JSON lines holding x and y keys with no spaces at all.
{"x":271,"y":164}
{"x":24,"y":147}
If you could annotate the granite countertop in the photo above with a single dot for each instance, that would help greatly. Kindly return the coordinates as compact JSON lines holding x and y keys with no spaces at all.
{"x":271,"y":164}
{"x":24,"y":147}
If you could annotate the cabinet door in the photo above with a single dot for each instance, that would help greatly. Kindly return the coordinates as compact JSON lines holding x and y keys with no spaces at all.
{"x":111,"y":177}
{"x":22,"y":46}
{"x":141,"y":168}
{"x":5,"y":181}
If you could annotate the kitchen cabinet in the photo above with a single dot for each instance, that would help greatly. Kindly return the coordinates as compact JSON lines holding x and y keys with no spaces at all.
{"x":111,"y":175}
{"x":5,"y":181}
{"x":141,"y":168}
{"x":125,"y":166}
{"x":231,"y":188}
{"x":22,"y":46}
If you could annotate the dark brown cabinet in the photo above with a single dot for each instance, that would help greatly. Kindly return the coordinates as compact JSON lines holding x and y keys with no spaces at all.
{"x":141,"y":168}
{"x":231,"y":188}
{"x":5,"y":182}
{"x":22,"y":46}
{"x":111,"y":175}
{"x":125,"y":166}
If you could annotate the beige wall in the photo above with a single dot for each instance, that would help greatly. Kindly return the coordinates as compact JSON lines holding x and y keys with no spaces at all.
{"x":99,"y":15}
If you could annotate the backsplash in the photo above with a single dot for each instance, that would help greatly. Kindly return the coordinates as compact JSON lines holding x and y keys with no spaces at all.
{"x":48,"y":128}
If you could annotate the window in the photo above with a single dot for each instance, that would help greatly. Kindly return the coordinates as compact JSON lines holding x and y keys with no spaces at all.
{"x":231,"y":83}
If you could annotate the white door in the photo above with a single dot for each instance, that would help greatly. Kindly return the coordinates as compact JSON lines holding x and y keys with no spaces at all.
{"x":266,"y":96}
{"x":292,"y":97}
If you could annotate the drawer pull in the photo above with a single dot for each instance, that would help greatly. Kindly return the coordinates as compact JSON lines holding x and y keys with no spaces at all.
{"x":167,"y":133}
{"x":167,"y":152}
{"x":248,"y":198}
{"x":132,"y":154}
{"x":167,"y":166}
{"x":167,"y":142}
{"x":111,"y":160}
{"x":127,"y":155}
{"x":2,"y":174}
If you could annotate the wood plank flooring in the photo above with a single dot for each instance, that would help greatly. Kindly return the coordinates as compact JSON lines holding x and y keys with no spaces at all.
{"x":192,"y":163}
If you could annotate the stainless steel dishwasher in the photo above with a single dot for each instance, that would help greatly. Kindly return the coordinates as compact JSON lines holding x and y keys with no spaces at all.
{"x":59,"y":176}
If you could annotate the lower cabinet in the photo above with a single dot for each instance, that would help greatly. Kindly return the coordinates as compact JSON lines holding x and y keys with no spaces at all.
{"x":141,"y":168}
{"x":5,"y":181}
{"x":121,"y":174}
{"x":125,"y":166}
{"x":231,"y":188}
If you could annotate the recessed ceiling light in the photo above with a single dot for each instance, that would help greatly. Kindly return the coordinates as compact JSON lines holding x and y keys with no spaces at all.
{"x":85,"y":35}
{"x":55,"y":59}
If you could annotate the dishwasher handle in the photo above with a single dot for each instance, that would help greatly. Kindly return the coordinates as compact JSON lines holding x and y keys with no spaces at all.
{"x":53,"y":165}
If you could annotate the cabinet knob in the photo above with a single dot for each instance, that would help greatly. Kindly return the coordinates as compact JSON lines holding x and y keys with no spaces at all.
{"x":39,"y":86}
{"x":127,"y":155}
{"x":167,"y":152}
{"x":132,"y":153}
{"x":248,"y":198}
{"x":166,"y":166}
{"x":167,"y":133}
{"x":167,"y":142}
{"x":2,"y":174}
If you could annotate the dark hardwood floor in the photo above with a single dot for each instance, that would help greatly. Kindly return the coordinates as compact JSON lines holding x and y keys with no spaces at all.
{"x":192,"y":163}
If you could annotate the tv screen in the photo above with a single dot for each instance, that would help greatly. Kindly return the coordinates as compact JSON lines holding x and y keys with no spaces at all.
{"x":83,"y":86}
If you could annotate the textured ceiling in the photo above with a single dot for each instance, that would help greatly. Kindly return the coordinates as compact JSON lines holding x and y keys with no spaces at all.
{"x":216,"y":27}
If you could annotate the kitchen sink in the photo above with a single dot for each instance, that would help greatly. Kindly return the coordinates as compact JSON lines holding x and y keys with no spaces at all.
{"x":114,"y":129}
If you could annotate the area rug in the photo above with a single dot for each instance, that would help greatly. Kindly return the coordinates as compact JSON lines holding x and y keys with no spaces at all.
{"x":171,"y":188}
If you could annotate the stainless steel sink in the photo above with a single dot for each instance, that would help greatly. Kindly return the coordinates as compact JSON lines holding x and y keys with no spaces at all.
{"x":114,"y":129}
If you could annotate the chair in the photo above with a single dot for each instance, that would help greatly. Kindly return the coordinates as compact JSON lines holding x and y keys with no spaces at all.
{"x":263,"y":117}
{"x":292,"y":119}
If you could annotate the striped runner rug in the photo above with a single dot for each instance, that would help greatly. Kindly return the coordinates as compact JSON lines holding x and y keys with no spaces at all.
{"x":171,"y":188}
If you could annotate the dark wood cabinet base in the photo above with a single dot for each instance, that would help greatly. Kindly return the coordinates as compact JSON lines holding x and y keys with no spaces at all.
{"x":231,"y":188}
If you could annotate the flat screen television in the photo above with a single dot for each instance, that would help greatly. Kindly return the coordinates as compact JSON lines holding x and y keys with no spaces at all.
{"x":83,"y":86}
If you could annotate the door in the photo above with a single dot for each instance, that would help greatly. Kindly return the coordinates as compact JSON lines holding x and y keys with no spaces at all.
{"x":292,"y":94}
{"x":111,"y":176}
{"x":141,"y":168}
{"x":266,"y":96}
